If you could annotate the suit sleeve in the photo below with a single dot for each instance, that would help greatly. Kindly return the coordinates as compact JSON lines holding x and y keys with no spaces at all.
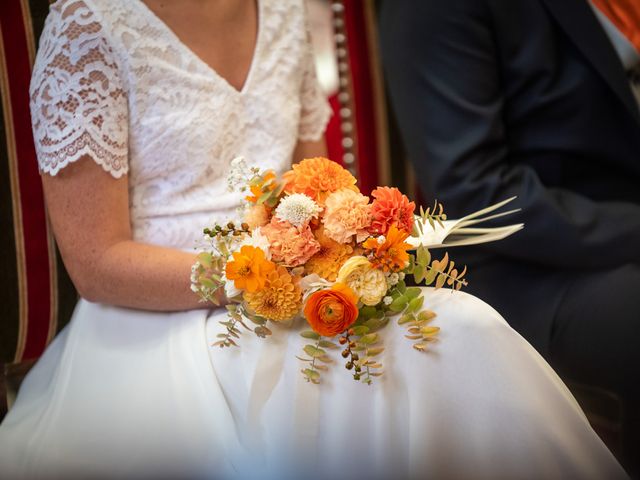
{"x":442,"y":69}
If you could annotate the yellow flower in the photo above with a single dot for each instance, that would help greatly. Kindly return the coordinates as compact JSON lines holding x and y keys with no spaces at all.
{"x":280,"y":299}
{"x":329,"y":259}
{"x":368,"y":283}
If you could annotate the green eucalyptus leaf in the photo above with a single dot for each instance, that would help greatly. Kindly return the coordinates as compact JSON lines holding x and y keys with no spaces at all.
{"x":366,"y":312}
{"x":314,"y":352}
{"x":423,"y":257}
{"x":418,"y":273}
{"x":413,"y":292}
{"x":311,"y":374}
{"x":416,"y":304}
{"x":399,"y":304}
{"x":360,"y":330}
{"x":309,"y":334}
{"x":368,"y":339}
{"x":406,"y":318}
{"x":327,"y":344}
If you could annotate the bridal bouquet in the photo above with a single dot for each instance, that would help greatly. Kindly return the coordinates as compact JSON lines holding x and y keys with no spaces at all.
{"x":312,"y":245}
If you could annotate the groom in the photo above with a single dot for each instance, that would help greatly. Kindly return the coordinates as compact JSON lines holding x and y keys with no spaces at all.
{"x":539,"y":99}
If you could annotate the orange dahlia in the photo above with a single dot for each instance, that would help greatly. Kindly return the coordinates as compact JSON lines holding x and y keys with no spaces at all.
{"x":391,"y":206}
{"x":331,"y":311}
{"x":249,"y":268}
{"x":279,"y":300}
{"x":318,"y":178}
{"x":330,"y":257}
{"x":390,"y":254}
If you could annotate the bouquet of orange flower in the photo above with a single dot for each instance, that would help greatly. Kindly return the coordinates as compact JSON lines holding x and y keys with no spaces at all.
{"x":312,"y":245}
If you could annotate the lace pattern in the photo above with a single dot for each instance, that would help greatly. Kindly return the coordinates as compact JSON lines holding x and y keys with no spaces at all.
{"x":113,"y":81}
{"x":78,"y":104}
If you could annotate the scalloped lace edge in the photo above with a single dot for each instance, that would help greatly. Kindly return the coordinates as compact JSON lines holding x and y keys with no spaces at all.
{"x":45,"y":168}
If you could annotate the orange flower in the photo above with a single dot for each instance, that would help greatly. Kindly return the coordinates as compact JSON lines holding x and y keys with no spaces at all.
{"x":257,"y":216}
{"x":263,"y":184}
{"x":249,"y":268}
{"x":331,"y":311}
{"x":347,"y":214}
{"x":318,"y":178}
{"x":280,"y":299}
{"x":289,"y":244}
{"x":329,"y":258}
{"x":391,"y":206}
{"x":391,"y":254}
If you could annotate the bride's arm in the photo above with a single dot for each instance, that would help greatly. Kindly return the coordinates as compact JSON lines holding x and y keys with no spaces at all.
{"x":89,"y":212}
{"x":309,"y":149}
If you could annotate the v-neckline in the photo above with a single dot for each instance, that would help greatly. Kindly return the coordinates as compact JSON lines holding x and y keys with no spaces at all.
{"x":212,"y":71}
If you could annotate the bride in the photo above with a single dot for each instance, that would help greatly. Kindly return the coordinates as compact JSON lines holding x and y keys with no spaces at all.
{"x":138,"y":108}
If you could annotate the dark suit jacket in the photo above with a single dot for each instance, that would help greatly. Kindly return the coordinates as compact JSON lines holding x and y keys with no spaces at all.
{"x":496,"y":98}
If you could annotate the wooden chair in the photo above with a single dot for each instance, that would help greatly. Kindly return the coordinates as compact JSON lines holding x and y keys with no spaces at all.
{"x":36,"y":296}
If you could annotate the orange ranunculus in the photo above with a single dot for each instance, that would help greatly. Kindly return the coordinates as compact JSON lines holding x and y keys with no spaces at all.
{"x":388,"y":207}
{"x":318,"y":178}
{"x":266,"y":183}
{"x":390,"y":255}
{"x":331,"y":311}
{"x":249,"y":268}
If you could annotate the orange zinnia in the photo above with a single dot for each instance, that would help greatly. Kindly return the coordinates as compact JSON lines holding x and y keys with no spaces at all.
{"x":318,"y":178}
{"x":265,"y":183}
{"x":392,"y":253}
{"x":249,"y":268}
{"x":331,"y":311}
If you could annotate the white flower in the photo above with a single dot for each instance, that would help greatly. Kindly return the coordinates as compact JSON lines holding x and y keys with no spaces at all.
{"x":381,"y":239}
{"x":387,"y":300}
{"x":393,"y":278}
{"x":238,"y":174}
{"x":368,"y":283}
{"x":259,"y":240}
{"x":297,"y":209}
{"x":230,"y":289}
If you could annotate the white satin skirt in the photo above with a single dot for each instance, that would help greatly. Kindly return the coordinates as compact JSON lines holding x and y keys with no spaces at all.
{"x":133,"y":394}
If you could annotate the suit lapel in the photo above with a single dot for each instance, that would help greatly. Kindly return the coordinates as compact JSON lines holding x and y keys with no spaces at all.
{"x":581,"y":25}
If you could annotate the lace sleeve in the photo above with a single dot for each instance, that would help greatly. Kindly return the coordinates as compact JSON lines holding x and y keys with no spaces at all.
{"x":315,"y":107}
{"x":78,"y":104}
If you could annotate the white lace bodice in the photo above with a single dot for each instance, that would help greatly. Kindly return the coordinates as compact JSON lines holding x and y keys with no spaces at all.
{"x":111,"y":80}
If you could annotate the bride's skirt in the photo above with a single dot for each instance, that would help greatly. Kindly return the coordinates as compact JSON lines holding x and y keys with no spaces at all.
{"x":124,"y":393}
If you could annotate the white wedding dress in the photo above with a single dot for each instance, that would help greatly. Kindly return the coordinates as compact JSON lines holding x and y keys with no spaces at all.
{"x":125,"y":393}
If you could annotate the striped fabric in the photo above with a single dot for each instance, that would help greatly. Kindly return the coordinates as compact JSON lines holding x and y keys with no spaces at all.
{"x":36,"y":296}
